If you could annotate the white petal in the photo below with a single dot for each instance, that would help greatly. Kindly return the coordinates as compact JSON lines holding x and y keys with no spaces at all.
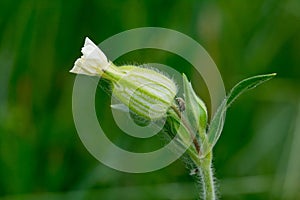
{"x":90,"y":50}
{"x":93,"y":61}
{"x":88,"y":41}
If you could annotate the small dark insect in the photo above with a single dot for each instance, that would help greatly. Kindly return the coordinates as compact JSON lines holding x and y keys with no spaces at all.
{"x":180,"y":103}
{"x":194,"y":171}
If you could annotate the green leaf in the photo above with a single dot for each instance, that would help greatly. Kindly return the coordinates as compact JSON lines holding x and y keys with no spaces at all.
{"x":195,"y":109}
{"x":217,"y":123}
{"x":215,"y":128}
{"x":246,"y":85}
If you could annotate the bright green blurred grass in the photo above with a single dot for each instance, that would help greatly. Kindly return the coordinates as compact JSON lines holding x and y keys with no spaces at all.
{"x":41,"y":156}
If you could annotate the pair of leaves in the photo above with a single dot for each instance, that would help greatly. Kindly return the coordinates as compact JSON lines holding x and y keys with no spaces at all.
{"x":196,"y":112}
{"x":217,"y":123}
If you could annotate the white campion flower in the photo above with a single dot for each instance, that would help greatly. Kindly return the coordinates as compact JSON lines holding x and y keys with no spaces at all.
{"x":93,"y":61}
{"x":144,"y":91}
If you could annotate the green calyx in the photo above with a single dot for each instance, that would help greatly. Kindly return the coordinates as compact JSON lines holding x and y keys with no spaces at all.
{"x":146,"y":92}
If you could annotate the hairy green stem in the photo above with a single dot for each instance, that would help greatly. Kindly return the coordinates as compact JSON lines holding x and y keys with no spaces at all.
{"x":206,"y":176}
{"x":203,"y":163}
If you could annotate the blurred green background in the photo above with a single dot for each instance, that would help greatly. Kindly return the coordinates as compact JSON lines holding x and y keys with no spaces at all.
{"x":41,"y":155}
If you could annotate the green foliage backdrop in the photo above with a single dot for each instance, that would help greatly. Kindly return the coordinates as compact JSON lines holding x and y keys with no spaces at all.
{"x":41,"y":156}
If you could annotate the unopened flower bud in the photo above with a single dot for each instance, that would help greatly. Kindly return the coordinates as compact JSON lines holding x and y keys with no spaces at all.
{"x":146,"y":92}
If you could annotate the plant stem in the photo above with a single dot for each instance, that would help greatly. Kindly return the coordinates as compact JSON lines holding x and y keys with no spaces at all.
{"x":203,"y":163}
{"x":206,"y":176}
